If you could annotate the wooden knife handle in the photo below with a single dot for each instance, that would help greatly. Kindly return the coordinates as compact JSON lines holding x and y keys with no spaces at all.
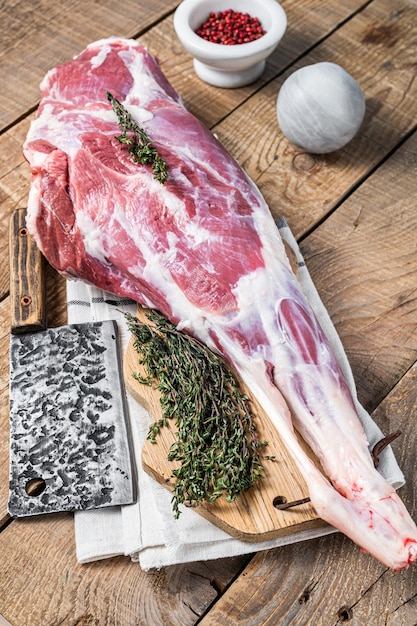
{"x":27,"y":278}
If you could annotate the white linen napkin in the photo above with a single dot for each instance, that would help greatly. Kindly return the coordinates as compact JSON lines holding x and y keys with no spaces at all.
{"x":147,"y":530}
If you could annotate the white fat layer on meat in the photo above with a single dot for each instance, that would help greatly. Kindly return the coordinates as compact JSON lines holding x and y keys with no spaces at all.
{"x":46,"y":127}
{"x":325,"y":395}
{"x":92,"y":237}
{"x":144,"y":81}
{"x":169,"y":256}
{"x":100,"y":57}
{"x":139,"y":114}
{"x":32,"y":212}
{"x":198,"y":233}
{"x":37,"y":159}
{"x":46,"y":79}
{"x":191,"y":317}
{"x":251,"y":291}
{"x":60,"y":129}
{"x":104,"y":46}
{"x":157,"y":273}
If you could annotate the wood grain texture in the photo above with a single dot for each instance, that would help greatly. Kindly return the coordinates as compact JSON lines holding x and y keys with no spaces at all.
{"x":53,"y":33}
{"x":27,"y":278}
{"x":363,"y":260}
{"x":38,"y":564}
{"x":14,"y":189}
{"x":326,"y":581}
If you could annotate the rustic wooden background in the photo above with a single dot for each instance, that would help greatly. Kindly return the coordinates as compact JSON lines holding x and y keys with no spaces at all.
{"x":354,"y":213}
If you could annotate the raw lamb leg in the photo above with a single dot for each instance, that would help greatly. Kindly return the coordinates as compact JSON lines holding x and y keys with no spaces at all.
{"x":202,"y":248}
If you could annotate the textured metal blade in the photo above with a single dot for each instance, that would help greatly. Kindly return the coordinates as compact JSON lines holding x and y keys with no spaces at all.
{"x":69,"y":436}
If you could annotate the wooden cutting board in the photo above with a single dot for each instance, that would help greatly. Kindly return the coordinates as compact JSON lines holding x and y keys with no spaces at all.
{"x":253,"y":516}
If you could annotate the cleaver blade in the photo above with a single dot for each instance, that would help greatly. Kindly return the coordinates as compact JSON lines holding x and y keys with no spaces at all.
{"x":70,"y":442}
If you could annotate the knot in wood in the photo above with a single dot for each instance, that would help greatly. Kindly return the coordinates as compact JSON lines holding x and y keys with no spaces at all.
{"x":344,"y":614}
{"x":304,"y":162}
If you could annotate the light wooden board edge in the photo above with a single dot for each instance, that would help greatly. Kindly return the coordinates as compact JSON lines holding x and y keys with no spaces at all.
{"x":252,"y":517}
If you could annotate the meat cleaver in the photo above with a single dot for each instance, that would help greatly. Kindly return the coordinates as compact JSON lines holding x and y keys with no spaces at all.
{"x":70,"y":443}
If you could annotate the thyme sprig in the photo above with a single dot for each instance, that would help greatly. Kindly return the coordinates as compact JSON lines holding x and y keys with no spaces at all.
{"x":216,"y":446}
{"x":138,"y":143}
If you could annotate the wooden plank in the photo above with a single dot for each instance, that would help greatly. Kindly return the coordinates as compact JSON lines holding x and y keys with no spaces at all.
{"x":14,"y":189}
{"x":37,"y":36}
{"x":327,"y":581}
{"x":364,"y":263}
{"x":305,"y":187}
{"x":40,"y":582}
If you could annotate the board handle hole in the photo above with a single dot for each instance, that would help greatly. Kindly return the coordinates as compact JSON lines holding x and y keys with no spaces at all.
{"x":35,"y":486}
{"x":278,"y":500}
{"x":23,"y":232}
{"x":281,"y":502}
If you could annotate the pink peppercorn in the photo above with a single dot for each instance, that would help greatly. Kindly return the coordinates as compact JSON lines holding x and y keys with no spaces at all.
{"x":230,"y":28}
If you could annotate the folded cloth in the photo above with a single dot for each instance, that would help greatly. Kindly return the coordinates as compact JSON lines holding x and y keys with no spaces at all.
{"x":147,"y":530}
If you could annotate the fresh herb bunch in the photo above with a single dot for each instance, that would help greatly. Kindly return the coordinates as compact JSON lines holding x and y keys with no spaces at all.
{"x":139,"y":146}
{"x":217,"y":447}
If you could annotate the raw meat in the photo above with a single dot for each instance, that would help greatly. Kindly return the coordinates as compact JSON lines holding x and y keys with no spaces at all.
{"x":202,"y":248}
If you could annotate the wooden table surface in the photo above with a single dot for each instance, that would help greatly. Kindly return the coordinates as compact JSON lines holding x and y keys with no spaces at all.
{"x":355,"y":215}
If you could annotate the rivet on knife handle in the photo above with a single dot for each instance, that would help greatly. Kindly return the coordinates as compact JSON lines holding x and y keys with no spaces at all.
{"x":27,"y":278}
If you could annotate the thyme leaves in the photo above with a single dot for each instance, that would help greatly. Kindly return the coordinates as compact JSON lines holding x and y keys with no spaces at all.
{"x":137,"y":141}
{"x":217,"y":447}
